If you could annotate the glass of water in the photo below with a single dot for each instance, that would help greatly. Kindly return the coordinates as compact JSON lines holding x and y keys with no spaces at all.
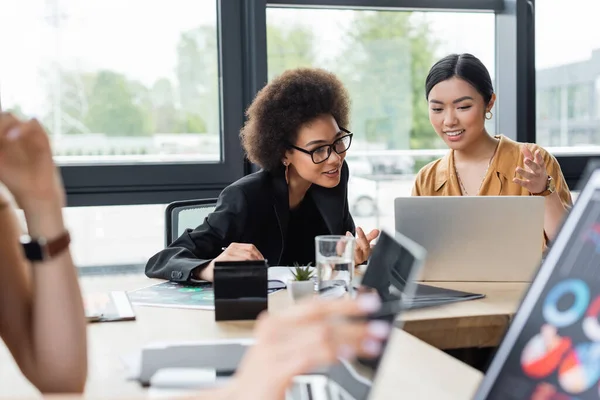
{"x":335,"y":264}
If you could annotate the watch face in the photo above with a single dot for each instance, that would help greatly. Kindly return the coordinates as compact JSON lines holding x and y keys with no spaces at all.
{"x":33,"y":251}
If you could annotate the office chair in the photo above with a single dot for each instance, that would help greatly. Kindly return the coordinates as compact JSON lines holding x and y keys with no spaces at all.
{"x":181,"y":215}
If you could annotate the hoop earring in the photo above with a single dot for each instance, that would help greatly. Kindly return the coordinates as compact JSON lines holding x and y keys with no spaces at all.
{"x":488,"y":117}
{"x":285,"y":163}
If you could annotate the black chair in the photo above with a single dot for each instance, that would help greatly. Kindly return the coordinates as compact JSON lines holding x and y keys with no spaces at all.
{"x":181,"y":215}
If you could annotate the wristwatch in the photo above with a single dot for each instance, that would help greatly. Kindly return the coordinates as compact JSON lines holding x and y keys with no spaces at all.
{"x":43,"y":249}
{"x":550,"y":188}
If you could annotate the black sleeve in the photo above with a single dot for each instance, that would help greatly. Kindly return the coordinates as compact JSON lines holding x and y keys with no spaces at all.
{"x":196,"y":248}
{"x":348,"y":221}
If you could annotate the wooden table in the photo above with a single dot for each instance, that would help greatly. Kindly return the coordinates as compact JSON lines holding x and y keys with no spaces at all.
{"x":414,"y":370}
{"x":475,"y":323}
{"x":411,"y":367}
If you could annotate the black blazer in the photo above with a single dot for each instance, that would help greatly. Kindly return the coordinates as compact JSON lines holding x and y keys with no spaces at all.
{"x":254,"y":209}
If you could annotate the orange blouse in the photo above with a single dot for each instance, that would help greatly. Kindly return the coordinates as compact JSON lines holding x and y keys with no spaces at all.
{"x":438,"y":178}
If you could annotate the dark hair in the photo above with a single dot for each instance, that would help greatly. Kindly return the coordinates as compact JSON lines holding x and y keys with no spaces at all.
{"x":465,"y":66}
{"x":294,"y":98}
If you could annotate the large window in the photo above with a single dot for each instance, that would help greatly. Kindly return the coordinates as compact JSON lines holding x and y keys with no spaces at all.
{"x":114,"y":80}
{"x":568,"y":72}
{"x":141,"y":99}
{"x":383,"y":58}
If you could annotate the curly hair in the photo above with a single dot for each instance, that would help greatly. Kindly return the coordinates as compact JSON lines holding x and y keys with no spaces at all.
{"x":278,"y":111}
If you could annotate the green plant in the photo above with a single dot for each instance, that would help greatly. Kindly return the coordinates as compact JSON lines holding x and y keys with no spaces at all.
{"x":302,"y":273}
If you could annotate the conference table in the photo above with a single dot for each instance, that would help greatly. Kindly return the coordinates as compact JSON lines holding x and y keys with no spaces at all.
{"x":475,"y":323}
{"x":413,"y":365}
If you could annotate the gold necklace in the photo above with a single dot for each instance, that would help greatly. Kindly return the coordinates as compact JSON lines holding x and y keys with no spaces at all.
{"x":462,"y":186}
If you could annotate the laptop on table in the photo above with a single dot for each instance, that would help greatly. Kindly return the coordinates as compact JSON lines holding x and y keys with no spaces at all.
{"x":552,"y":348}
{"x":475,"y":238}
{"x":394,"y":264}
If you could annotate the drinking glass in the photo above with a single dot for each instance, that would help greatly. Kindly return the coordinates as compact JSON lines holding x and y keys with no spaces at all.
{"x":335,"y":264}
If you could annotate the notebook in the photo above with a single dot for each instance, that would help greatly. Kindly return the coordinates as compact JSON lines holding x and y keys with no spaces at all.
{"x":191,"y":295}
{"x":108,"y":307}
{"x":430,"y":296}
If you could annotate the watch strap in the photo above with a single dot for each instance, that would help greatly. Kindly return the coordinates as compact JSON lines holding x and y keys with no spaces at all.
{"x":41,"y":249}
{"x":549,"y":188}
{"x":59,"y":244}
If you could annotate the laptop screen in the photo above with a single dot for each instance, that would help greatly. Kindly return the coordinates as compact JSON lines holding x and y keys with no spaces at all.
{"x":552,"y":349}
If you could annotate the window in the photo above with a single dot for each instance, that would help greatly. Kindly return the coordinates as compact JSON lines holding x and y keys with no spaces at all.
{"x":568,"y":64}
{"x":383,"y":58}
{"x":131,"y":233}
{"x":113,"y":235}
{"x":549,"y":104}
{"x":113,"y":83}
{"x":141,"y":99}
{"x":578,"y":99}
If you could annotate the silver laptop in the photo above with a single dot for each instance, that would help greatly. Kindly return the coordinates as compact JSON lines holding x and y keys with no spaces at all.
{"x":393,"y":266}
{"x":479,"y":238}
{"x":552,"y":347}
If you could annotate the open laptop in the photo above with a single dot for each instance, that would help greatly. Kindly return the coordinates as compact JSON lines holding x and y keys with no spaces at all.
{"x":479,"y":238}
{"x":394,"y":264}
{"x":552,"y":348}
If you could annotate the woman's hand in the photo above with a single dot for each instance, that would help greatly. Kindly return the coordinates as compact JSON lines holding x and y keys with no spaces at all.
{"x":308,"y":335}
{"x":534,"y":177}
{"x":362,"y":250}
{"x":26,"y":165}
{"x":233,"y":252}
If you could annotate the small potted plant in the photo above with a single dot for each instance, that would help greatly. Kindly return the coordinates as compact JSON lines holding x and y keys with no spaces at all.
{"x":302,"y":285}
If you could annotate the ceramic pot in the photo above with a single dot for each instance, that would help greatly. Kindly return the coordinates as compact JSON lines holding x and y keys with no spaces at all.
{"x":300,"y":289}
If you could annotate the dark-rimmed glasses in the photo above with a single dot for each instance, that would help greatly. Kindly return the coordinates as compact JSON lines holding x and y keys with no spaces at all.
{"x":322,"y":153}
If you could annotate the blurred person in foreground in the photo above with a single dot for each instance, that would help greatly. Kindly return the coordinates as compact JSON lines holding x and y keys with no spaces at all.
{"x":308,"y":335}
{"x":42,"y":320}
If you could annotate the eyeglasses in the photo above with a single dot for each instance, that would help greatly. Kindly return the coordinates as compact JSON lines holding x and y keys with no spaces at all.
{"x":322,"y":153}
